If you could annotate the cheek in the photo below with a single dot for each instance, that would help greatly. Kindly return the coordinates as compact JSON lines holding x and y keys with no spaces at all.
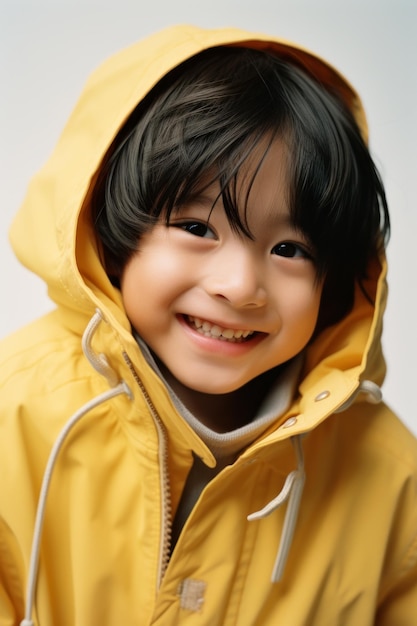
{"x":302,"y":308}
{"x":150,"y":285}
{"x":135,"y":285}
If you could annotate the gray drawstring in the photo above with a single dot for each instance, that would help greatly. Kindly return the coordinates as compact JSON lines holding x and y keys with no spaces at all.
{"x":98,"y":361}
{"x":120,"y":387}
{"x":371,"y":390}
{"x":294,"y":484}
{"x":291,"y":491}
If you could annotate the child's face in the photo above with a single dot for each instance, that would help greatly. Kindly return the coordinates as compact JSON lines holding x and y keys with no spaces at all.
{"x":216,"y":308}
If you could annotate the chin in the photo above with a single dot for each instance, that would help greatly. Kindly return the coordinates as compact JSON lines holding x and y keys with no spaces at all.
{"x":216,"y":388}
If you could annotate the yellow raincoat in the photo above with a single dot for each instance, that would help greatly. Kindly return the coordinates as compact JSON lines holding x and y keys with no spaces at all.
{"x":338,"y":546}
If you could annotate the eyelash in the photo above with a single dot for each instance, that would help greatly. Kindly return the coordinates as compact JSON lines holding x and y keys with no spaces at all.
{"x":201,"y":229}
{"x":298,"y":250}
{"x":193,"y":226}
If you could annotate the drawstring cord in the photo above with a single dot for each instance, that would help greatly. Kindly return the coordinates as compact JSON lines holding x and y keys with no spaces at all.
{"x":294,"y":484}
{"x":101,"y":365}
{"x":98,"y":361}
{"x":291,"y":491}
{"x":371,"y":390}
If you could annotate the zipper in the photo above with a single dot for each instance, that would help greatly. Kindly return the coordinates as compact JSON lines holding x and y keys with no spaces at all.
{"x":166,"y":507}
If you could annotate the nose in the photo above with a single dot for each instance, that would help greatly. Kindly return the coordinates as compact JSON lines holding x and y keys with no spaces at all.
{"x":236,"y":275}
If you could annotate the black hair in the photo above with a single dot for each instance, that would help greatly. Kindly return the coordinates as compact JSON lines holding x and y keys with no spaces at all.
{"x":204,"y":119}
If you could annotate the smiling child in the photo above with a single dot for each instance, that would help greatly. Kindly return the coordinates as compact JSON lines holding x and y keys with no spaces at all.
{"x":196,"y":432}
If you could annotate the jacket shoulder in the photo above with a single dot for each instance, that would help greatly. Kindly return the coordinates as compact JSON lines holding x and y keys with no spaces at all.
{"x":381,"y":430}
{"x":42,"y":344}
{"x":43,"y":371}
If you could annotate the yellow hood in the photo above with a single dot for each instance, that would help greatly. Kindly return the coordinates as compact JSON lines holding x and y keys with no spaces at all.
{"x":53,"y":237}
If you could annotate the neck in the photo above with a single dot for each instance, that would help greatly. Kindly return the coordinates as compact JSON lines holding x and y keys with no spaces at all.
{"x":223,"y":412}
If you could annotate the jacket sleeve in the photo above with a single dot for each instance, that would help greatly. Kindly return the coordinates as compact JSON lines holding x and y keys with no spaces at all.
{"x":398,"y":604}
{"x":11,"y":588}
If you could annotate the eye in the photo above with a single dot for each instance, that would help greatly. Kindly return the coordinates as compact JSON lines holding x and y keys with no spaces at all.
{"x":291,"y":250}
{"x":199,"y":229}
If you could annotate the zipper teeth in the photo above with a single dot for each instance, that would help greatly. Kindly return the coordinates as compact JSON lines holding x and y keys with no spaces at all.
{"x":166,"y":521}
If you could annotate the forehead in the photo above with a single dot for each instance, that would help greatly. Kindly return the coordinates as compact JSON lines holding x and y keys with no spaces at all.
{"x":263,"y":185}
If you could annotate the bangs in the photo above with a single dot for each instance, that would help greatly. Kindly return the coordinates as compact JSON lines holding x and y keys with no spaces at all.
{"x":227,"y":175}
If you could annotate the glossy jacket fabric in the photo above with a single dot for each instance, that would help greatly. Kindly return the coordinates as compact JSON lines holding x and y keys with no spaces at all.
{"x":104,"y":546}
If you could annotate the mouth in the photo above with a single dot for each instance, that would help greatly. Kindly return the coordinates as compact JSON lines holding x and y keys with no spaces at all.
{"x":232,"y":335}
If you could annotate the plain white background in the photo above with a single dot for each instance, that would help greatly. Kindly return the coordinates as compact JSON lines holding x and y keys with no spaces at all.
{"x":47,"y":50}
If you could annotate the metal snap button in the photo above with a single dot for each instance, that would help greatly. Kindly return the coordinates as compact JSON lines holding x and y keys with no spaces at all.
{"x":322,"y":396}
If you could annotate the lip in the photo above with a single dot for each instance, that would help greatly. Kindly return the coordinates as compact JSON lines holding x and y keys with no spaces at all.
{"x":221,"y":346}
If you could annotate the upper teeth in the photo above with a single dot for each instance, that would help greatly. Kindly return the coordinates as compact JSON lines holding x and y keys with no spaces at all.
{"x":213,"y":330}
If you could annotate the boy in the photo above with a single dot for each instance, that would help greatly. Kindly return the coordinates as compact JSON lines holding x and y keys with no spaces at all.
{"x":212,"y":226}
